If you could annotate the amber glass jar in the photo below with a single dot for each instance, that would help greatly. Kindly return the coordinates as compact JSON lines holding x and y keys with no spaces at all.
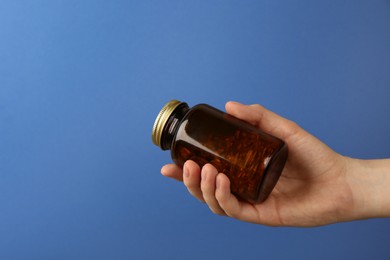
{"x":252,"y":159}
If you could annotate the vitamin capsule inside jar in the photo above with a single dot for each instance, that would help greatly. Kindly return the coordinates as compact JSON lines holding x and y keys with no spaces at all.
{"x":251,"y":159}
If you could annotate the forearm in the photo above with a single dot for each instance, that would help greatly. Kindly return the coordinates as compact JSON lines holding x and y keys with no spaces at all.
{"x":370,"y":184}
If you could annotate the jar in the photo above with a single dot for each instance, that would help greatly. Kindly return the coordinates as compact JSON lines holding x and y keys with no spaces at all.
{"x":250,"y":158}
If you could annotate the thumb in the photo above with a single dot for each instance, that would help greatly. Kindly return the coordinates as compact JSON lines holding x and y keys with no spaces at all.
{"x":264,"y":119}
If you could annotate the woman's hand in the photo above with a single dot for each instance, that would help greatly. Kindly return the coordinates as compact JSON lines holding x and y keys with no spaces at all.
{"x":318,"y":186}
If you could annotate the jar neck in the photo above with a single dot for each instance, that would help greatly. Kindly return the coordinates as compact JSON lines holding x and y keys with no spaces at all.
{"x":172,"y":125}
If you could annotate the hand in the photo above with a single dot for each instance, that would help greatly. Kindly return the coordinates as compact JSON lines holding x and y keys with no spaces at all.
{"x":317,"y":185}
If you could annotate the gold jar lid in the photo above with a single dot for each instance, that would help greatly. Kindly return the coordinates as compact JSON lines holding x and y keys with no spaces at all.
{"x":161,"y":120}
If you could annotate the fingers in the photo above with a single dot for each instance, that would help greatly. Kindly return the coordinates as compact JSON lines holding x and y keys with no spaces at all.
{"x":213,"y":188}
{"x":264,"y":119}
{"x":208,"y":187}
{"x":226,"y":200}
{"x":172,"y":171}
{"x":216,"y":193}
{"x":192,"y":179}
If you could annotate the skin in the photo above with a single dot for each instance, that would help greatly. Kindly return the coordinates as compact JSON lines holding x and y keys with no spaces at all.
{"x":317,"y":187}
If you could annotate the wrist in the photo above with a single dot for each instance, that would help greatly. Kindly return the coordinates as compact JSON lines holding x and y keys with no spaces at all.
{"x":369,"y":181}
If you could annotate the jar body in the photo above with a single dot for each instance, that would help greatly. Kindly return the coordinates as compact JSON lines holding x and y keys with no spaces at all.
{"x":251,"y":159}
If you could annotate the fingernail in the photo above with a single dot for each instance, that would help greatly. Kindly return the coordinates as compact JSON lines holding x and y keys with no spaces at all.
{"x":204,"y":173}
{"x":217,"y":182}
{"x":186,"y":172}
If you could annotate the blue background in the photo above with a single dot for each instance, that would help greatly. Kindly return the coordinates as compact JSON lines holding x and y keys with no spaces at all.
{"x":81,"y":83}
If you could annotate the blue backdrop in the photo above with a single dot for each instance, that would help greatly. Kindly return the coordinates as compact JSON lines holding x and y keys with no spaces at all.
{"x":81,"y":83}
